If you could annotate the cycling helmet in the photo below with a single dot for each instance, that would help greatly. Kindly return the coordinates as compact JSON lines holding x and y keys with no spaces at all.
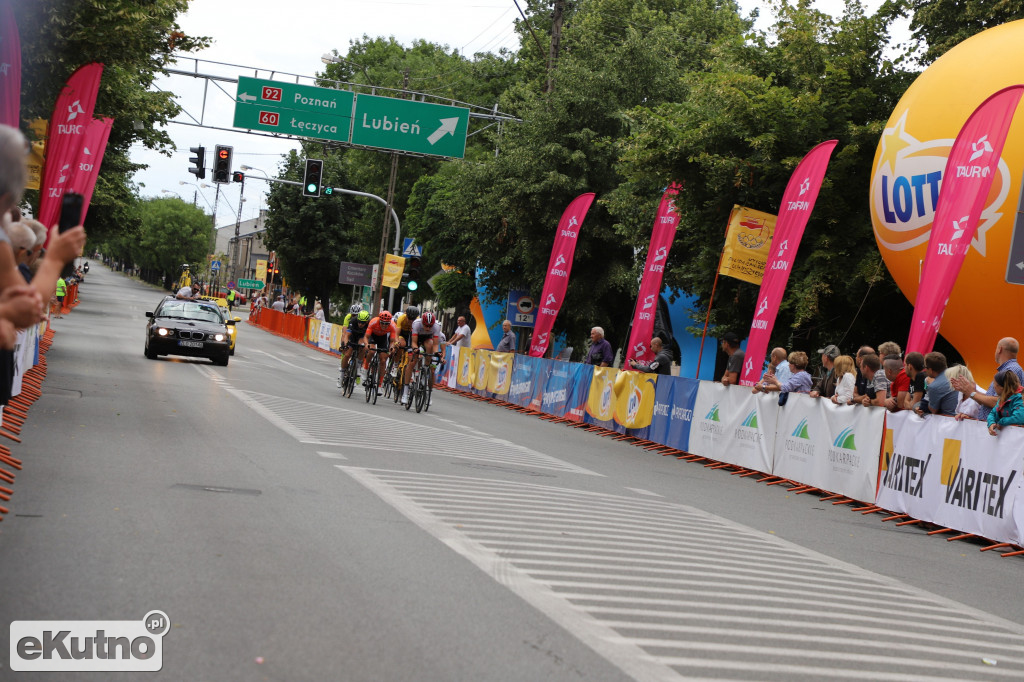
{"x":427,"y":320}
{"x":385,"y":318}
{"x":356,"y":309}
{"x":412,"y":312}
{"x":364,"y":316}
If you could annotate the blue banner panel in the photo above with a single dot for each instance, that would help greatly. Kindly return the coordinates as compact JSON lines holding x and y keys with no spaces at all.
{"x":673,"y":411}
{"x":555,"y":396}
{"x":580,"y":376}
{"x":525,"y":382}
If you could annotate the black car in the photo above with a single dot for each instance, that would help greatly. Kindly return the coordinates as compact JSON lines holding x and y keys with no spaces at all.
{"x":193,"y":328}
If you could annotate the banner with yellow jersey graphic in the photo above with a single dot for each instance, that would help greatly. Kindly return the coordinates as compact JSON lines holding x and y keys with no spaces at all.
{"x":747,"y":244}
{"x":261,"y":270}
{"x":635,"y":394}
{"x":601,"y":401}
{"x":467,"y":368}
{"x":480,"y":366}
{"x":394,"y":266}
{"x":37,"y":152}
{"x":499,"y":373}
{"x":313,"y":331}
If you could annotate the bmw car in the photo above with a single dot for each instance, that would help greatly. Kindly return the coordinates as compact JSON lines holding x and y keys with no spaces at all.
{"x":191,"y":328}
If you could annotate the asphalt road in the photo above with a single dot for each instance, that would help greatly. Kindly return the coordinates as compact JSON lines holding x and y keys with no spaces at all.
{"x":291,"y":534}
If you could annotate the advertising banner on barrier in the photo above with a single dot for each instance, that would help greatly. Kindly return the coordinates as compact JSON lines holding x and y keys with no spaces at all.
{"x":634,"y":399}
{"x":499,"y":374}
{"x":673,"y":411}
{"x":601,"y":399}
{"x":580,"y":376}
{"x":446,"y":376}
{"x":480,"y":366}
{"x":554,"y":397}
{"x":829,"y":446}
{"x":731,"y":424}
{"x":467,"y":368}
{"x":525,"y":384}
{"x":954,"y":474}
{"x":323,"y":337}
{"x":313,"y":332}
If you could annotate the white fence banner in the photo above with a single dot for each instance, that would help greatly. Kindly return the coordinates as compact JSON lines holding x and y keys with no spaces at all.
{"x":831,"y":447}
{"x":954,"y":474}
{"x":323,"y":340}
{"x":731,"y":424}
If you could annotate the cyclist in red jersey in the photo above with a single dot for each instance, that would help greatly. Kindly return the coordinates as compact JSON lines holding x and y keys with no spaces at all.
{"x":382,"y":333}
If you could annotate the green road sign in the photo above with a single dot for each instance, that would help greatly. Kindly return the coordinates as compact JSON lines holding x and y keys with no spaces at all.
{"x":410,"y":126}
{"x":293,"y":109}
{"x":250,"y":284}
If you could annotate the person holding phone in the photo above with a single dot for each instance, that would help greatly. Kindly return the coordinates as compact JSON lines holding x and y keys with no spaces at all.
{"x":22,"y":305}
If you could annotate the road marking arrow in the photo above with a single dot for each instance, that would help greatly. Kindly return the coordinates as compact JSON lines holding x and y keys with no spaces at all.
{"x":448,"y":126}
{"x":246,"y":97}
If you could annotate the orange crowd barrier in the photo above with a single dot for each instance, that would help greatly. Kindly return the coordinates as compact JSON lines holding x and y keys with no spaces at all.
{"x":289,"y":326}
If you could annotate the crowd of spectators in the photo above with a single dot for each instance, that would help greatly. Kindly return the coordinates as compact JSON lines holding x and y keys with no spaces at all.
{"x":917,"y":382}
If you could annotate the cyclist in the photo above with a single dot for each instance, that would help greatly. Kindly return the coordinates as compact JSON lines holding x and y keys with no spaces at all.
{"x":426,"y":332}
{"x":356,"y":330}
{"x":383,"y":334}
{"x":354,"y":310}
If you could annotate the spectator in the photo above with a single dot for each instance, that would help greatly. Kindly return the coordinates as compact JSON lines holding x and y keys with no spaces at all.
{"x":890,"y":348}
{"x":600,"y":353}
{"x":876,"y":390}
{"x":508,"y":341}
{"x":778,"y":366}
{"x":940,"y":398}
{"x":846,"y":377}
{"x":60,"y":293}
{"x":860,"y":388}
{"x":966,"y":407}
{"x":733,"y":368}
{"x":318,"y":311}
{"x":186,"y":293}
{"x":279,"y":304}
{"x":899,"y":389}
{"x":1009,"y":407}
{"x":914,"y":367}
{"x":565,"y":354}
{"x":463,"y":334}
{"x":1006,"y":359}
{"x":662,"y":362}
{"x":23,"y":241}
{"x":798,"y":382}
{"x":826,"y":384}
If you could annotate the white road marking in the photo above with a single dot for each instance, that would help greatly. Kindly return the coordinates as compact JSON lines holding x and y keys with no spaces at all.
{"x":290,"y":364}
{"x":641,"y":491}
{"x":331,"y":455}
{"x":669,"y":592}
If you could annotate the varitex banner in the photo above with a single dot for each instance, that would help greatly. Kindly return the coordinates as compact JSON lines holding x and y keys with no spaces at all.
{"x":797,"y":204}
{"x":72,"y":115}
{"x":663,"y":234}
{"x":556,"y":283}
{"x":972,"y":164}
{"x":955,"y":474}
{"x":829,"y":446}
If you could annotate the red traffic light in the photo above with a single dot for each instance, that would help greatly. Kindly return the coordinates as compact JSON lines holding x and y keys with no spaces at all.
{"x":223,"y":153}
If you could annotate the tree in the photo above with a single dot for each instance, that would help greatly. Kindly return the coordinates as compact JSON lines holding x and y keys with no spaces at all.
{"x":134,"y":40}
{"x":172,"y":232}
{"x":939,"y":25}
{"x":311,"y":236}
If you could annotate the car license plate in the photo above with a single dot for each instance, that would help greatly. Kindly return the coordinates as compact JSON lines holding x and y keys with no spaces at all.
{"x":191,"y":344}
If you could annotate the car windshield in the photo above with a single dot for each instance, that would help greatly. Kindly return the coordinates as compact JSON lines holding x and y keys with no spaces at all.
{"x":190,"y":310}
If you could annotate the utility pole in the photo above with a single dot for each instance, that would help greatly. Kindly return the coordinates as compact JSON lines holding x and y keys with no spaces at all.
{"x":379,"y":286}
{"x":213,"y":241}
{"x":238,"y":228}
{"x":556,"y":39}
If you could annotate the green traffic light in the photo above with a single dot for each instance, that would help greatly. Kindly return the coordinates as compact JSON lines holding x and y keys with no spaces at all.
{"x":311,"y":187}
{"x":413,"y":286}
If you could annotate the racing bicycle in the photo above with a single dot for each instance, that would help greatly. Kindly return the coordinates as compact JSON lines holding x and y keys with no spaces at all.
{"x":421,"y":385}
{"x":372,"y":382}
{"x":348,"y":384}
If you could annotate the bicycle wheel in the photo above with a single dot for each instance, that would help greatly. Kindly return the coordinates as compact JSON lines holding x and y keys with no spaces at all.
{"x":388,"y":383}
{"x":430,"y":389}
{"x":422,"y":382}
{"x":370,"y":384}
{"x":350,"y":374}
{"x":414,"y":383}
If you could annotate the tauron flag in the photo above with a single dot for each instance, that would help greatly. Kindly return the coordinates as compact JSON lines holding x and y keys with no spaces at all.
{"x":10,"y":67}
{"x":85,"y":172}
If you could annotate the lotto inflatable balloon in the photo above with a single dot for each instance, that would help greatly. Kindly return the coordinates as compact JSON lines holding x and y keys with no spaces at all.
{"x":987,"y":302}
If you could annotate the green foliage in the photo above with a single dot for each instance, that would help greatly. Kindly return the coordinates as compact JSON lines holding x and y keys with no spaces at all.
{"x":938,"y":25}
{"x":310,"y":235}
{"x":171,"y":232}
{"x":452,"y":289}
{"x":134,"y":40}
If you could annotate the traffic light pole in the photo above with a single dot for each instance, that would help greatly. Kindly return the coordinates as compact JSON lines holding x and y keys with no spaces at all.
{"x":238,"y":229}
{"x":352,"y":192}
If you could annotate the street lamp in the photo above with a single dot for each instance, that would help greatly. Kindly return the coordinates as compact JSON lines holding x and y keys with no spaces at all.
{"x":328,"y":58}
{"x":168,"y":191}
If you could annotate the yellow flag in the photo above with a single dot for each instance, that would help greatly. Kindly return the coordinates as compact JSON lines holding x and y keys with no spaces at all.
{"x":747,"y":244}
{"x":261,"y":270}
{"x":394,"y":266}
{"x":36,"y":155}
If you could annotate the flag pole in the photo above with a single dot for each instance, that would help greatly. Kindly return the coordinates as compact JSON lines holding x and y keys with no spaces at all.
{"x":711,"y":300}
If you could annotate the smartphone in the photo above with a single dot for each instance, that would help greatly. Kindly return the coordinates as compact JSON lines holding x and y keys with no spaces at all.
{"x":71,"y":211}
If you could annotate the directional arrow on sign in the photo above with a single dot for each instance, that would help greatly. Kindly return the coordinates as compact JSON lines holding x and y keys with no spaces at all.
{"x":448,"y":126}
{"x":246,"y":97}
{"x":1021,"y":265}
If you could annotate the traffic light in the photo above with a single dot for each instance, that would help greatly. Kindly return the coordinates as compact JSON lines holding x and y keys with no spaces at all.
{"x":238,"y":176}
{"x":313,"y":178}
{"x":222,"y":164}
{"x":198,"y":161}
{"x":412,"y":277}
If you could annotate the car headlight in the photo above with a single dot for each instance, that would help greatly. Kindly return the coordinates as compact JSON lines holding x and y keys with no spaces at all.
{"x":218,"y":337}
{"x":162,"y":332}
